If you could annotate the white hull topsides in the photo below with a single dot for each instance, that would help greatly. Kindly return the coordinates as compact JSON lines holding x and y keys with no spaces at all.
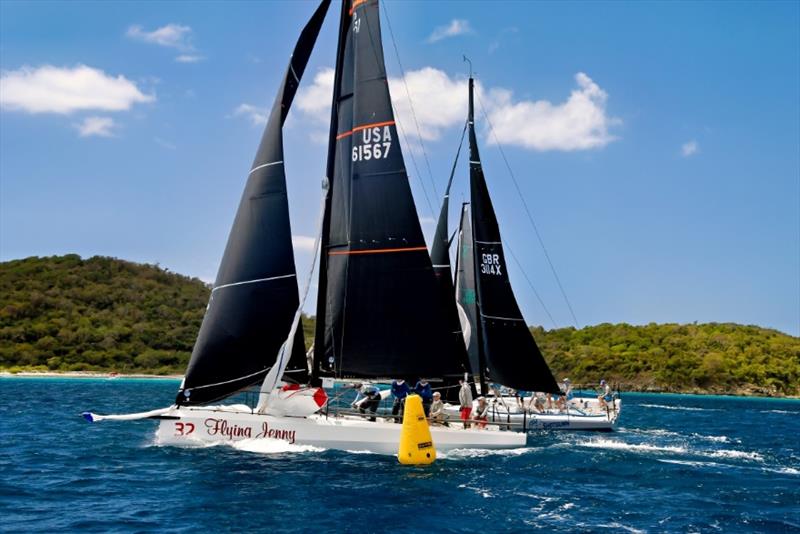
{"x":214,"y":424}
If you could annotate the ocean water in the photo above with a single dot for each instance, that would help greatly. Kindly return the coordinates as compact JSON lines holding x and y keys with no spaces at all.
{"x":678,"y":463}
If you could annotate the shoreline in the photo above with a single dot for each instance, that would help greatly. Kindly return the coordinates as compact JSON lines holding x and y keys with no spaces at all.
{"x":113,"y":375}
{"x":83,"y":374}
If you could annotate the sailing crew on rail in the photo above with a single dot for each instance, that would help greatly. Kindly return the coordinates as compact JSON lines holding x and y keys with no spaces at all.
{"x":437,"y":410}
{"x":605,"y":395}
{"x":423,"y":389}
{"x":400,"y":391}
{"x":465,"y":402}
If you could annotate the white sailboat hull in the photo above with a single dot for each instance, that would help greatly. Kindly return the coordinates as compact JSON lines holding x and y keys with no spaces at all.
{"x":188,"y":425}
{"x":583,"y":414}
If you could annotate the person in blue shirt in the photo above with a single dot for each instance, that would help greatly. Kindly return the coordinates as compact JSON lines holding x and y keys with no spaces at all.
{"x":423,"y":389}
{"x":400,"y":391}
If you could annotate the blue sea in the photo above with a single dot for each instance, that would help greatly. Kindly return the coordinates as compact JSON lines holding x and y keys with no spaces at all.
{"x":678,"y":463}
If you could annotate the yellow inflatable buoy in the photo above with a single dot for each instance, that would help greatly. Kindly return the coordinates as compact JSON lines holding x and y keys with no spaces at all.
{"x":416,"y":444}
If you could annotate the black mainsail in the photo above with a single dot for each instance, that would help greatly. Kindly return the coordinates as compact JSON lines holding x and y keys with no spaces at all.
{"x":507,"y":351}
{"x":378,"y":311}
{"x":255,"y":295}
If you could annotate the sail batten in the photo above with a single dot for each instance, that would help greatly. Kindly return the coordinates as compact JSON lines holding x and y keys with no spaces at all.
{"x":255,"y":295}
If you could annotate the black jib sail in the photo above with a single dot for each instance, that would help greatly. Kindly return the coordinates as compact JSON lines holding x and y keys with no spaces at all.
{"x":378,"y":312}
{"x":255,"y":295}
{"x":508,"y":349}
{"x":440,"y":256}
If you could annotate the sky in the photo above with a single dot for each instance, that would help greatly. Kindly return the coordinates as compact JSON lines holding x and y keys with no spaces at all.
{"x":655,"y":145}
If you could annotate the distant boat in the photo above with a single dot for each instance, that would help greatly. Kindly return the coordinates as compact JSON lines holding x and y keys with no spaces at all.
{"x":379,"y":314}
{"x":500,"y":345}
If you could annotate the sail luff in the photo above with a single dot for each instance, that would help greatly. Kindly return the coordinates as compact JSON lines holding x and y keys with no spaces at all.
{"x":322,"y":285}
{"x":255,"y":295}
{"x":509,"y":352}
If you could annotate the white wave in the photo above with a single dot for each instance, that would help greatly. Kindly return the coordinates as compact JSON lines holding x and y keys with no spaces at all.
{"x":693,"y":463}
{"x":272,"y":446}
{"x":781,"y":411}
{"x":187,"y":443}
{"x":784,"y":470}
{"x":456,"y":454}
{"x":620,"y":526}
{"x":480,"y":491}
{"x":635,"y":447}
{"x":651,"y":432}
{"x":716,"y":439}
{"x":681,"y":408}
{"x":743,"y":455}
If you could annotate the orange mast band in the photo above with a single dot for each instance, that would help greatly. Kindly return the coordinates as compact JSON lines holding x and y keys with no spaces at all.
{"x":356,"y":3}
{"x":363,"y":127}
{"x":376,"y":251}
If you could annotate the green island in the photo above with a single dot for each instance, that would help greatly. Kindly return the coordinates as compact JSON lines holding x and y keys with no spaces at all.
{"x":65,"y":313}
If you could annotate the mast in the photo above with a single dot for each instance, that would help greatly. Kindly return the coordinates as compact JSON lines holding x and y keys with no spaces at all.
{"x":378,"y":313}
{"x":255,"y":295}
{"x":507,"y":349}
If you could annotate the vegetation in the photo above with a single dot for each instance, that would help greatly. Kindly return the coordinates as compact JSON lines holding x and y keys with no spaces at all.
{"x":64,"y":313}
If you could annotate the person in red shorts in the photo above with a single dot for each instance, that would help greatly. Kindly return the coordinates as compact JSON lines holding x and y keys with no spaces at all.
{"x":465,"y":400}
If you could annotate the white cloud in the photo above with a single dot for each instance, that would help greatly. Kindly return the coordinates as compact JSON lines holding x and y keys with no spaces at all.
{"x":163,"y":143}
{"x":303,"y":242}
{"x":258,"y":116}
{"x":456,"y":27}
{"x":440,"y":102}
{"x":315,"y":100}
{"x":65,"y":90}
{"x":171,"y":35}
{"x":96,"y":126}
{"x":189,"y":58}
{"x":690,"y":148}
{"x":579,"y":123}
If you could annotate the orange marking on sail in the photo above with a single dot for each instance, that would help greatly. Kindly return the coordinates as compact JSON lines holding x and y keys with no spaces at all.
{"x":376,"y":251}
{"x":356,"y":3}
{"x":363,"y":127}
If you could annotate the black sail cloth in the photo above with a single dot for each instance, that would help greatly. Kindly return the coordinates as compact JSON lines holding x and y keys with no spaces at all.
{"x":509,"y":351}
{"x":378,"y":312}
{"x":255,"y":295}
{"x":440,"y":256}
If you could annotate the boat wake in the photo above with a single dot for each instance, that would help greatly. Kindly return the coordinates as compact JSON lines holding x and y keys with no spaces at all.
{"x":635,"y":447}
{"x":680,"y":408}
{"x":272,"y":446}
{"x":461,"y":454}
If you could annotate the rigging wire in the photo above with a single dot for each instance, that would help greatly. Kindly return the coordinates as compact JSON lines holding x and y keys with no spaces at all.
{"x":530,"y":217}
{"x":410,"y":101}
{"x":525,"y":274}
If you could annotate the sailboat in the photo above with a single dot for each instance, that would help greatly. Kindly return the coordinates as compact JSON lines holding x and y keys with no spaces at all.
{"x":379,"y":314}
{"x":501,"y":348}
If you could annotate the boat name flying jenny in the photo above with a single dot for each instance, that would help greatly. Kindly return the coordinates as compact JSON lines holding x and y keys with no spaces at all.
{"x":221,"y":427}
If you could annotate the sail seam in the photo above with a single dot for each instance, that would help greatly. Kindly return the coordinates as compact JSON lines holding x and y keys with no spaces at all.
{"x":363,"y":127}
{"x":254,"y":281}
{"x":441,"y":266}
{"x":489,"y":242}
{"x":254,"y":169}
{"x":376,"y":251}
